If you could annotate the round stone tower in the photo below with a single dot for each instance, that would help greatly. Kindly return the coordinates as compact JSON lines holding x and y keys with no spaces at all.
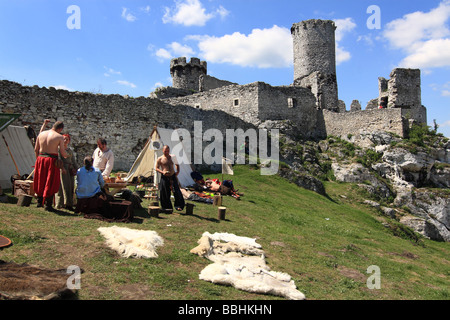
{"x":315,"y":60}
{"x":186,"y":75}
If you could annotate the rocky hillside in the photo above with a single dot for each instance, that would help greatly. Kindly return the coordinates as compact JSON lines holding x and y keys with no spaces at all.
{"x":407,"y":179}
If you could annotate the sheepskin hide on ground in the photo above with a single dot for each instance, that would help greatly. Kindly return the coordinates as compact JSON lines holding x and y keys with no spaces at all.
{"x":132,"y":243}
{"x":240,"y":262}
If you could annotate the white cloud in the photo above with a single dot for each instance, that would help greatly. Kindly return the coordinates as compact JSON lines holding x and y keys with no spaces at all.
{"x":443,"y":89}
{"x":126,"y":83}
{"x":343,"y":26}
{"x":191,"y":13}
{"x":420,"y":34}
{"x":222,"y":12}
{"x":128,"y":16}
{"x":145,"y":9}
{"x":263,"y":48}
{"x":173,"y":50}
{"x":110,"y":71}
{"x":445,"y":124}
{"x":163,"y":54}
{"x":431,"y":54}
{"x":180,"y":50}
{"x":342,"y":55}
{"x":367,"y":39}
{"x":62,"y":87}
{"x":157,"y":85}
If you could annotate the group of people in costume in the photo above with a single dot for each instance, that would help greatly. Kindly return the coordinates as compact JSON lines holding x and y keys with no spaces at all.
{"x":56,"y":171}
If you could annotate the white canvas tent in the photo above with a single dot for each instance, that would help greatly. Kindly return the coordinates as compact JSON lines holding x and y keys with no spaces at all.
{"x":16,"y":154}
{"x":144,"y":165}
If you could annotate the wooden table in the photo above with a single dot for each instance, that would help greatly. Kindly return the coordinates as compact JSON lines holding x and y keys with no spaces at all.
{"x":113,"y":187}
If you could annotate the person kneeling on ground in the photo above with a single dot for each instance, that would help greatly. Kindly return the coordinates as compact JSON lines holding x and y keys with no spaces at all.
{"x":89,"y":192}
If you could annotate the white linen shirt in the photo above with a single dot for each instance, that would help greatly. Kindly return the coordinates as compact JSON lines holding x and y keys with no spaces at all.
{"x":103,"y":161}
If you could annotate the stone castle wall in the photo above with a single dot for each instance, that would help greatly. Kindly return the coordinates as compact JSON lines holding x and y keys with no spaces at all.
{"x":236,"y":100}
{"x":208,"y":83}
{"x":124,"y":122}
{"x":294,"y":103}
{"x":258,"y":102}
{"x":352,"y":123}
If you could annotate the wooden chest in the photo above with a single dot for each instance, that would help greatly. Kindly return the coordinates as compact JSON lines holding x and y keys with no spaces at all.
{"x":23,"y":187}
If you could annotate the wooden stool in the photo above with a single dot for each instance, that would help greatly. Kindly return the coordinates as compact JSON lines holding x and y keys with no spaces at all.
{"x":222,"y":211}
{"x":217,"y":201}
{"x":153,"y":211}
{"x":24,"y":200}
{"x":189,"y":208}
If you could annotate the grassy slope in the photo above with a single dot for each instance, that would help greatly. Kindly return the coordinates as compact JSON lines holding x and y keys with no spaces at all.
{"x":325,"y":244}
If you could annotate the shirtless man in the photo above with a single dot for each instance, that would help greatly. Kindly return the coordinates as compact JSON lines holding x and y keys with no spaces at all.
{"x":165,"y":165}
{"x":46,"y":172}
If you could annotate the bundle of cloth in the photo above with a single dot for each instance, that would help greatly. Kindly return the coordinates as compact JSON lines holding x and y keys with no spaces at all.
{"x":214,"y":185}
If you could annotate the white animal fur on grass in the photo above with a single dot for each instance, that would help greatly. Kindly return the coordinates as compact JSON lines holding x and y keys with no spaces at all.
{"x":229,"y":237}
{"x":242,"y":265}
{"x":132,"y":243}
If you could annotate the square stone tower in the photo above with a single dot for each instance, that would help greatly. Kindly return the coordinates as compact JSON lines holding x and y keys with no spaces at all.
{"x":186,"y":75}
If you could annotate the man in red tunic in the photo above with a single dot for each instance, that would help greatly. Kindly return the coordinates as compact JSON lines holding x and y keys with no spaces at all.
{"x":46,"y":173}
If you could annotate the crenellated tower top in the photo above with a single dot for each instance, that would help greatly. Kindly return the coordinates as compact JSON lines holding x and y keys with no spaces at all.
{"x":186,"y":75}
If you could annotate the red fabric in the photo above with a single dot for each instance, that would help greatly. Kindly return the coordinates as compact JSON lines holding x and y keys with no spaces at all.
{"x":46,"y":177}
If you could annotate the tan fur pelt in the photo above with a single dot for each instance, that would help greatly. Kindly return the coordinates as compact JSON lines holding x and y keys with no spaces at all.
{"x":26,"y":282}
{"x":241,"y":264}
{"x":132,"y":243}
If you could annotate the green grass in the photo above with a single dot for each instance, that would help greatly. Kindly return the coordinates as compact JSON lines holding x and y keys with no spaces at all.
{"x":325,"y":243}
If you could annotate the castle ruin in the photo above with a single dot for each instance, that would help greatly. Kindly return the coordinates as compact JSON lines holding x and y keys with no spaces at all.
{"x":310,"y":103}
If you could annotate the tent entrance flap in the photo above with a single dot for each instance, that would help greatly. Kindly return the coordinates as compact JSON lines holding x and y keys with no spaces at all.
{"x":19,"y":156}
{"x":144,"y":165}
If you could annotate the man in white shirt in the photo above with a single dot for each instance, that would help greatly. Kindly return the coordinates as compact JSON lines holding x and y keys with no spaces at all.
{"x":103,"y":158}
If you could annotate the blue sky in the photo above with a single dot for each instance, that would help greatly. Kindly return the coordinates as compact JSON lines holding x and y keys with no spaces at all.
{"x":125,"y":46}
